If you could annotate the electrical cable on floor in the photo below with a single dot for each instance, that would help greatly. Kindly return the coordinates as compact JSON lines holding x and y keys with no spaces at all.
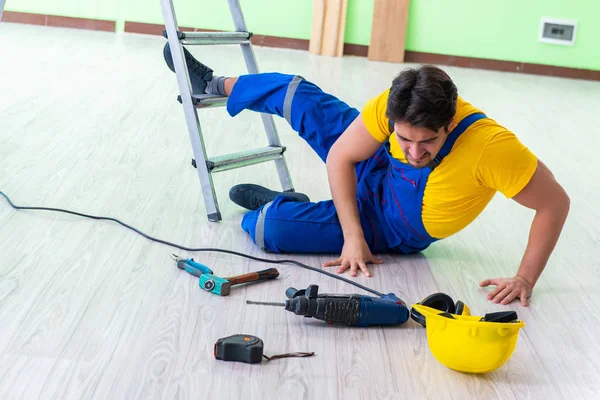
{"x":207,"y":249}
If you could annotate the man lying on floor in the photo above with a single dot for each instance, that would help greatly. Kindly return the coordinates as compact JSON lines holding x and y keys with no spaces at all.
{"x":417,"y":165}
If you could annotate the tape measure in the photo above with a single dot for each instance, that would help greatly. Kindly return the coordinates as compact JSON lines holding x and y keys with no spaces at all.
{"x":246,"y":349}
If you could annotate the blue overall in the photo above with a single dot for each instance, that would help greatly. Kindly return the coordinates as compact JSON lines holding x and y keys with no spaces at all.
{"x":389,"y":192}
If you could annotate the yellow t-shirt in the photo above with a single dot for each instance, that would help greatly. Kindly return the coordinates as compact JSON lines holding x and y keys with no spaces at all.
{"x":486,"y":158}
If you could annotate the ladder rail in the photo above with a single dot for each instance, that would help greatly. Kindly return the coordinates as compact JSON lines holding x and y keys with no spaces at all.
{"x":2,"y":3}
{"x":191,"y":117}
{"x":267,"y":119}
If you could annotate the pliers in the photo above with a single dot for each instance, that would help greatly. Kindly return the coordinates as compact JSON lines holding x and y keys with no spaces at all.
{"x":191,"y":266}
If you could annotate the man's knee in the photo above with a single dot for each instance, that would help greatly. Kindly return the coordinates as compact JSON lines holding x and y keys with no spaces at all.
{"x":289,"y":96}
{"x":255,"y":223}
{"x":273,"y":228}
{"x":285,"y":226}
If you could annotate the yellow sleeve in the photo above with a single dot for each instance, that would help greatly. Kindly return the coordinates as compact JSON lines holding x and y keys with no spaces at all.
{"x":506,"y":164}
{"x":374,"y":117}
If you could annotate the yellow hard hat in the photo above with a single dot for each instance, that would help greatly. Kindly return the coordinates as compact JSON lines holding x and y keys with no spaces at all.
{"x":468,"y":343}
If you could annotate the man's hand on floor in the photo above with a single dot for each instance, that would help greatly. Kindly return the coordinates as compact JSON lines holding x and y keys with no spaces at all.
{"x":355,"y":254}
{"x":508,"y":289}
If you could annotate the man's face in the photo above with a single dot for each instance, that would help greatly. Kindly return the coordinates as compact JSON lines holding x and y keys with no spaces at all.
{"x":419,"y":145}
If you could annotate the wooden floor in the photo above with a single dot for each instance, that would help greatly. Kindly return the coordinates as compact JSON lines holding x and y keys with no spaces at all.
{"x":90,"y":310}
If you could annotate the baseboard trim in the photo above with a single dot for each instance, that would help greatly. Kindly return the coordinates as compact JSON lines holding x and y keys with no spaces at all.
{"x":302,"y":44}
{"x":150,"y":29}
{"x":58,"y":21}
{"x":258,"y":40}
{"x":411,"y":56}
{"x":482,"y":63}
{"x":499,"y":65}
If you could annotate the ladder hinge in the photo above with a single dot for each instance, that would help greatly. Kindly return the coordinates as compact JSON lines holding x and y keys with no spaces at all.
{"x":195,"y":101}
{"x":180,"y":35}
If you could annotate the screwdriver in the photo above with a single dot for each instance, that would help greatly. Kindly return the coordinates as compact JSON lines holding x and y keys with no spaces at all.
{"x":349,"y":309}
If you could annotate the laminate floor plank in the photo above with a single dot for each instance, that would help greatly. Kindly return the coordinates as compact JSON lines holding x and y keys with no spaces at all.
{"x":92,"y":310}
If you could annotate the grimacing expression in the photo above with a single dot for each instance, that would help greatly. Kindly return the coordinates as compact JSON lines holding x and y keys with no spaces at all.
{"x":419,"y":145}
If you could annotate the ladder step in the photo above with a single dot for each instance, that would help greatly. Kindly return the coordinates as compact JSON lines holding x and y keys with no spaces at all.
{"x":207,"y":100}
{"x":244,"y":158}
{"x":213,"y":38}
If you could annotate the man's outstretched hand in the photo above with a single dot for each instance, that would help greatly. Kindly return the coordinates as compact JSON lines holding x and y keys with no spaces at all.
{"x":508,"y":289}
{"x":355,"y":255}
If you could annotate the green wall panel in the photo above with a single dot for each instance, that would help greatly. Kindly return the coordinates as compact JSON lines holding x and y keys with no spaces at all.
{"x":503,"y":30}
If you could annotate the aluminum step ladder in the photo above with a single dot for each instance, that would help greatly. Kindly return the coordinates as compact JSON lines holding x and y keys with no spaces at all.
{"x":192,"y":101}
{"x":2,"y":3}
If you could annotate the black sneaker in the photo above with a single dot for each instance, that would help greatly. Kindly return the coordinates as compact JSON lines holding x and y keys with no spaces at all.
{"x":252,"y":197}
{"x":200,"y":74}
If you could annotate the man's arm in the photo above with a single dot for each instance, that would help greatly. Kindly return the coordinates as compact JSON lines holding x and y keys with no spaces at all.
{"x":551,"y":203}
{"x":354,"y":145}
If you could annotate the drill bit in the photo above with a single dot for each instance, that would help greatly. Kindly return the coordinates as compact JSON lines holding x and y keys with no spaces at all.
{"x":265,"y":303}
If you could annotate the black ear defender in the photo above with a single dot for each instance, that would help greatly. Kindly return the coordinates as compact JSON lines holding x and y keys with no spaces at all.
{"x":501,"y":316}
{"x":442,"y":302}
{"x":460,"y":308}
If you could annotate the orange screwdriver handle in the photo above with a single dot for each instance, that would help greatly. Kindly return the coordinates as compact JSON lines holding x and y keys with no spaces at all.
{"x":256,"y":276}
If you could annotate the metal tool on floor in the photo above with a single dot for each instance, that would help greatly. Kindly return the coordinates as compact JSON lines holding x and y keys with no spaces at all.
{"x":222,"y":286}
{"x":216,"y":284}
{"x":349,"y":309}
{"x":191,"y":101}
{"x":191,"y":266}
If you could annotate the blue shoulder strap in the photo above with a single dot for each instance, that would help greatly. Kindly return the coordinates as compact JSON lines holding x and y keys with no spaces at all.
{"x":452,"y":136}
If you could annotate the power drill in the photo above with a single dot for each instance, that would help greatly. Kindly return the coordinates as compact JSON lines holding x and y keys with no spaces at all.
{"x":349,"y":309}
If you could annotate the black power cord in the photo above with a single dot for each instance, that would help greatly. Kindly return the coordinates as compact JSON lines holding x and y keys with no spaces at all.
{"x":207,"y":249}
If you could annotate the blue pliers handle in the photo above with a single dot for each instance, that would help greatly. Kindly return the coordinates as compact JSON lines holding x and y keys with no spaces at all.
{"x":191,"y":266}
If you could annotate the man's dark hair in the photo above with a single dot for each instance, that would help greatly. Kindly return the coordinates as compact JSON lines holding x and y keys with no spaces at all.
{"x":422,"y":97}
